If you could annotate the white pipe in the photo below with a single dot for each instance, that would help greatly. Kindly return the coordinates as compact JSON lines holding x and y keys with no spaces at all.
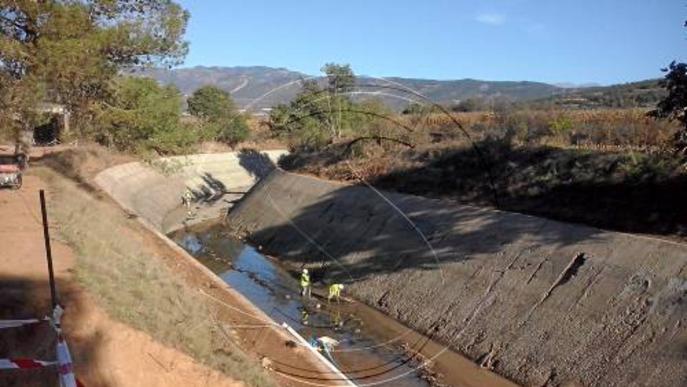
{"x":323,"y":359}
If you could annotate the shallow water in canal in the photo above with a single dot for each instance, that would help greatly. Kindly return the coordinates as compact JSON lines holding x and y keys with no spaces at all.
{"x":276,"y":292}
{"x":374,"y":349}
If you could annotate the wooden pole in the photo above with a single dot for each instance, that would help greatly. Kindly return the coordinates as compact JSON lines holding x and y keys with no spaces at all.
{"x":48,"y":250}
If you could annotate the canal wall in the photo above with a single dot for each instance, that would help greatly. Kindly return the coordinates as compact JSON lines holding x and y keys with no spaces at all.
{"x":216,"y":181}
{"x":153,"y":195}
{"x":540,"y":302}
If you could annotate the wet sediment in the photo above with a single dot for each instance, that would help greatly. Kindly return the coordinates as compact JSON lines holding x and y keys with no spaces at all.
{"x":373,"y":349}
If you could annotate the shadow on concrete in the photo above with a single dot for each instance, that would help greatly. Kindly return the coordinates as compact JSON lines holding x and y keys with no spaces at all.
{"x":212,"y":190}
{"x":258,"y":164}
{"x":358,"y":234}
{"x":24,"y":299}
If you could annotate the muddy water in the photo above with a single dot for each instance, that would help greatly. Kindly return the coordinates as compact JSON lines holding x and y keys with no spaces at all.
{"x":374,"y":349}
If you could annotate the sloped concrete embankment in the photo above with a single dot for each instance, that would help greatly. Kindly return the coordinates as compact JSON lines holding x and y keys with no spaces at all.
{"x":540,"y":301}
{"x":216,"y":180}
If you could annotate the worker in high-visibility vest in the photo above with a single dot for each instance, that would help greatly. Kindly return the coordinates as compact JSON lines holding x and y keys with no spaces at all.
{"x":305,"y":317}
{"x":335,"y":292}
{"x":187,"y":200}
{"x":305,"y":283}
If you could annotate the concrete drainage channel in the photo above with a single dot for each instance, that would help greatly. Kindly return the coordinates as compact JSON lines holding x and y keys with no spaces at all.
{"x":373,"y":349}
{"x":539,"y":301}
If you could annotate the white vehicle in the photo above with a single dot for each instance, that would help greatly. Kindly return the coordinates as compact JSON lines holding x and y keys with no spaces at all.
{"x":11,"y":170}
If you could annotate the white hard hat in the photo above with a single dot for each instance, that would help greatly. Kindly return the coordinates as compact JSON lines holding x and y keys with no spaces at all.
{"x":305,"y":271}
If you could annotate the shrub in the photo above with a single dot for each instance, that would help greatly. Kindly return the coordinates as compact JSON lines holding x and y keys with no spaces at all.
{"x":142,"y":116}
{"x":219,"y":118}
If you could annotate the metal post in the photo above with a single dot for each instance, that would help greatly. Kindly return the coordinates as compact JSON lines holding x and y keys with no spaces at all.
{"x":48,"y":250}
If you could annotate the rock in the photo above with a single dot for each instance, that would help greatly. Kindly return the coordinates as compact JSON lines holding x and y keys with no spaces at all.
{"x":266,"y":363}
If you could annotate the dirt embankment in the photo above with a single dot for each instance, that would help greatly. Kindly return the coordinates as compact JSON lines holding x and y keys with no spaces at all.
{"x":539,"y":301}
{"x":140,"y":311}
{"x":106,"y":352}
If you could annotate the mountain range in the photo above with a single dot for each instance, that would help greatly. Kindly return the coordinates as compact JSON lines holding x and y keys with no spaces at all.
{"x":259,"y":87}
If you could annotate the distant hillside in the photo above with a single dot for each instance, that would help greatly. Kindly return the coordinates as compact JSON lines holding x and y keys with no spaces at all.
{"x":257,"y":87}
{"x":450,"y":92}
{"x":643,"y":94}
{"x":248,"y":84}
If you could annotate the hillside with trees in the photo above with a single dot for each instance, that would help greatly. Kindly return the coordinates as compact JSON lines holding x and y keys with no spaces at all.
{"x":260,"y":87}
{"x":644,"y":94}
{"x":264,"y":87}
{"x":610,"y":167}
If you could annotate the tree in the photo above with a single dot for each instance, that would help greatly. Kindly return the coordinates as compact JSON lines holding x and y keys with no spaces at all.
{"x":674,"y":105}
{"x":340,"y":81}
{"x":340,"y":78}
{"x":217,"y":110}
{"x":302,"y":122}
{"x":140,"y":115}
{"x":68,"y":52}
{"x":319,"y":116}
{"x":212,"y":103}
{"x":473,"y":104}
{"x":16,"y":113}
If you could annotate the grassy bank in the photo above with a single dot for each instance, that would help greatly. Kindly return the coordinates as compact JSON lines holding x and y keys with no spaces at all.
{"x":611,"y":168}
{"x":617,"y":128}
{"x":130,"y":279}
{"x":613,"y":189}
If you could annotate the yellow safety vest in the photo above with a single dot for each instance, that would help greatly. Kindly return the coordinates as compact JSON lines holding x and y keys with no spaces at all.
{"x":335,"y":290}
{"x":305,"y":280}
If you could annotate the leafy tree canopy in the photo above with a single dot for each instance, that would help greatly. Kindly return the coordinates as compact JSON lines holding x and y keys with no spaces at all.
{"x":211,"y":103}
{"x":674,"y":105}
{"x":222,"y":121}
{"x":340,"y":78}
{"x":320,"y":116}
{"x":68,"y":51}
{"x":140,"y":115}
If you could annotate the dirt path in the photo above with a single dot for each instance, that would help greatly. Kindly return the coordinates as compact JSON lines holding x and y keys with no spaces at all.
{"x":106,"y":352}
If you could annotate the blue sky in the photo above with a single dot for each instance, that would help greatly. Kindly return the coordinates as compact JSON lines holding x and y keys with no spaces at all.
{"x":578,"y":41}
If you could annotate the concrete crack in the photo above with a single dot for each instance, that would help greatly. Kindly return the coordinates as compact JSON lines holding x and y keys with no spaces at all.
{"x":536,"y":270}
{"x":565,"y":276}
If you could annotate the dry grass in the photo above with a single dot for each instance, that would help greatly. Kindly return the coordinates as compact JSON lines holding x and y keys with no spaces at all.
{"x":261,"y":137}
{"x":629,"y":128}
{"x":616,"y":189}
{"x":133,"y":283}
